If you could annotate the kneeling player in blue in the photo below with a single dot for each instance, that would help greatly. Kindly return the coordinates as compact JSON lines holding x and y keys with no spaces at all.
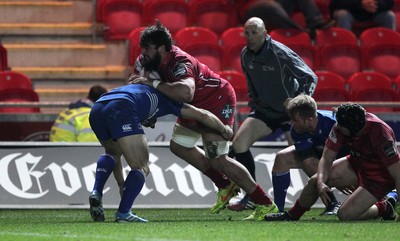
{"x":309,"y":131}
{"x":116,"y":119}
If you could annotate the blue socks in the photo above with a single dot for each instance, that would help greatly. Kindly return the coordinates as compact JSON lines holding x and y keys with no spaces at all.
{"x":280,"y":183}
{"x":105,"y":166}
{"x":133,"y":185}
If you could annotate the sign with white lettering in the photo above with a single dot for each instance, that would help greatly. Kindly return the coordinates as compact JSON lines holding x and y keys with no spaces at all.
{"x":50,"y":175}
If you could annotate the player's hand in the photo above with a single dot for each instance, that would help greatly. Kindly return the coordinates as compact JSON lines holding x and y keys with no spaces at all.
{"x":323,"y":190}
{"x":227,"y":133}
{"x":132,"y":78}
{"x":136,"y":79}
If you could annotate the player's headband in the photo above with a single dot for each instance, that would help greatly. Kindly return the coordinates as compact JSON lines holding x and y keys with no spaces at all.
{"x":351,"y":116}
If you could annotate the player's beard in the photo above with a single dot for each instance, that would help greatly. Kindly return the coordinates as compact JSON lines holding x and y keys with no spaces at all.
{"x":153,"y":64}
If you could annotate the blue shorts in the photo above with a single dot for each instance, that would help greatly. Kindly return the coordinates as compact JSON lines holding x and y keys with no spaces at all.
{"x":114,"y":119}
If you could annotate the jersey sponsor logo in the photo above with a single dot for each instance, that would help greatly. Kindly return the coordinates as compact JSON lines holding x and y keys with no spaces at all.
{"x":227,"y":112}
{"x":390,"y":149}
{"x":127,"y":127}
{"x":179,"y":70}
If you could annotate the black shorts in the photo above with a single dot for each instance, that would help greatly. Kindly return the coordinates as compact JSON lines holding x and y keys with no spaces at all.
{"x":282,"y":123}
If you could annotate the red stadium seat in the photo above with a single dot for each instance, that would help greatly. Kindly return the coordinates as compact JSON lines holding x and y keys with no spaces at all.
{"x":134,"y":49}
{"x":18,"y":95}
{"x":338,"y":51}
{"x":238,"y":81}
{"x":233,"y":37}
{"x":384,"y":58}
{"x":208,"y":54}
{"x":121,"y":17}
{"x":381,"y":50}
{"x":217,"y":15}
{"x":203,"y":44}
{"x":14,"y":80}
{"x":290,"y":36}
{"x":232,"y":58}
{"x":173,"y":14}
{"x":378,"y":36}
{"x":299,"y":42}
{"x":232,"y":41}
{"x":3,"y":58}
{"x":334,"y":36}
{"x":195,"y":35}
{"x":371,"y":86}
{"x":330,"y":87}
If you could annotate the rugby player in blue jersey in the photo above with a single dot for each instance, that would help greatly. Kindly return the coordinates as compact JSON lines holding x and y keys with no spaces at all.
{"x":309,"y":131}
{"x":116,"y":119}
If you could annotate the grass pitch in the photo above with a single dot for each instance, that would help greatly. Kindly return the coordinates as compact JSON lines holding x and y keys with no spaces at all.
{"x":184,"y":224}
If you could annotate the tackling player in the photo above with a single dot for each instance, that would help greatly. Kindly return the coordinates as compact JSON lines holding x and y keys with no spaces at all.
{"x":186,"y":79}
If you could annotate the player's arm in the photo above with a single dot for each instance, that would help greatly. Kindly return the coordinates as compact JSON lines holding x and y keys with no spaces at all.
{"x":206,"y":118}
{"x":394,"y":170}
{"x":181,"y":91}
{"x":324,"y":171}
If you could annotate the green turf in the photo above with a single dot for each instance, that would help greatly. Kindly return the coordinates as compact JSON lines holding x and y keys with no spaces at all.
{"x":185,"y":224}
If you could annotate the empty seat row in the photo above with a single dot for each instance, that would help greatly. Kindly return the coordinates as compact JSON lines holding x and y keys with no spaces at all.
{"x":340,"y":51}
{"x":331,"y":87}
{"x":120,"y":17}
{"x":361,"y":86}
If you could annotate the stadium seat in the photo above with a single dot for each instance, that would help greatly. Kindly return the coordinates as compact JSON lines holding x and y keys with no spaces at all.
{"x":173,"y":14}
{"x":343,"y":59}
{"x":299,"y":42}
{"x":217,"y":15}
{"x":195,"y":35}
{"x":121,"y":17}
{"x":203,"y":44}
{"x":371,"y":86}
{"x":290,"y":36}
{"x":334,"y":35}
{"x":208,"y":54}
{"x":233,"y":37}
{"x":3,"y":58}
{"x":238,"y":81}
{"x":14,"y":80}
{"x":339,"y":51}
{"x":381,"y":50}
{"x":232,"y":41}
{"x":18,"y":95}
{"x":231,"y":59}
{"x":330,"y":87}
{"x":375,"y":36}
{"x":384,"y":58}
{"x":134,"y":49}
